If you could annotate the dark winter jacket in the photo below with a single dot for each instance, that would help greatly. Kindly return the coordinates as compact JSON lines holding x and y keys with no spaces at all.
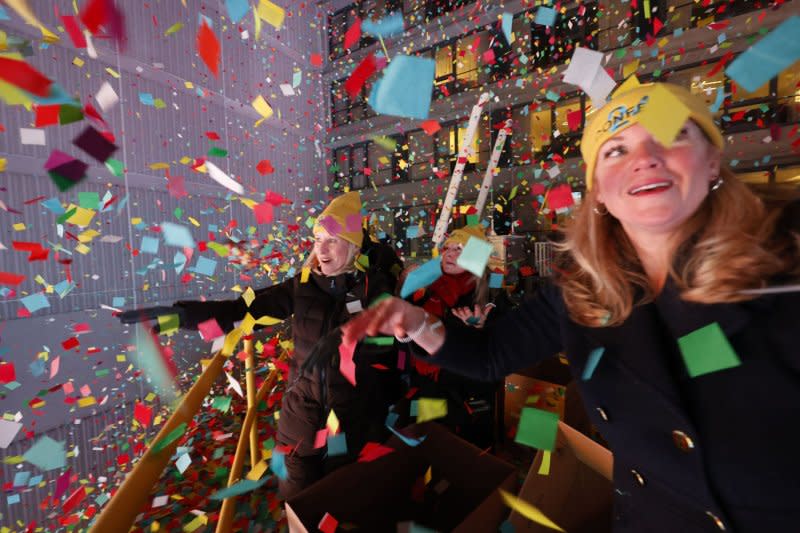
{"x":690,"y":454}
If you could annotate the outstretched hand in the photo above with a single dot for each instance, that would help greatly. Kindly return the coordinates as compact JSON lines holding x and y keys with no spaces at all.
{"x":392,"y":316}
{"x":473,"y":317}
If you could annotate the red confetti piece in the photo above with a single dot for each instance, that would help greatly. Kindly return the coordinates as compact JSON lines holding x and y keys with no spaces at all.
{"x":74,"y":31}
{"x":353,"y":34}
{"x":74,"y":499}
{"x":316,"y":60}
{"x":9,"y":278}
{"x":7,"y":373}
{"x":430,"y":126}
{"x":70,"y":343}
{"x":208,"y":48}
{"x":37,"y":252}
{"x":264,"y":167}
{"x":328,"y":524}
{"x":264,"y":213}
{"x":359,"y":77}
{"x":22,"y":75}
{"x":46,"y":115}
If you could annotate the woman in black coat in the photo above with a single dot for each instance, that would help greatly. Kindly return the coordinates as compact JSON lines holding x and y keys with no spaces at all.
{"x":344,"y":274}
{"x":673,"y":309}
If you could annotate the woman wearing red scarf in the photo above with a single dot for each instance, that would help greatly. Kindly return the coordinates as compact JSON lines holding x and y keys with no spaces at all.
{"x":458,"y":295}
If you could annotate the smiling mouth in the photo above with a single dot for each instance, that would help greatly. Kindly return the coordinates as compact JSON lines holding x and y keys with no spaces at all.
{"x":658,"y":186}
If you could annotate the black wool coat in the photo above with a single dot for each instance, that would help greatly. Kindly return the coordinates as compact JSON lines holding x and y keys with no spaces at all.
{"x":721,"y":450}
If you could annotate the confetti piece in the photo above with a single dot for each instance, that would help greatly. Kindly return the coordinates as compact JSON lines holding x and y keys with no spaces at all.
{"x":353,"y":34}
{"x":664,"y":115}
{"x":262,"y":107}
{"x":346,"y":364}
{"x":223,"y":179}
{"x":177,"y":235}
{"x":544,"y":467}
{"x":372,"y":451}
{"x":46,"y":454}
{"x":768,"y":57}
{"x":475,"y":256}
{"x":537,"y":428}
{"x":106,"y":97}
{"x":35,"y":302}
{"x":22,"y":75}
{"x":328,"y":524}
{"x":240,"y":487}
{"x":431,"y":409}
{"x":527,"y":510}
{"x":387,"y":26}
{"x":421,"y":277}
{"x":270,"y":13}
{"x":591,"y":363}
{"x":8,"y":430}
{"x":95,"y":144}
{"x":546,"y":16}
{"x":707,"y":350}
{"x":208,"y":47}
{"x":32,"y":136}
{"x":278,"y":464}
{"x":170,"y":438}
{"x":210,"y":330}
{"x":237,"y":9}
{"x":337,"y":445}
{"x":405,"y":88}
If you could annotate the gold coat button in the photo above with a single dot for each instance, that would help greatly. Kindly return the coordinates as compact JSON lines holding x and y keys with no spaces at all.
{"x":719,"y":523}
{"x":602,"y":413}
{"x":638,"y":477}
{"x":682,"y":441}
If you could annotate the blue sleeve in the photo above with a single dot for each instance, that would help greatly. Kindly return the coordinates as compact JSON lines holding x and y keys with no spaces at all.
{"x":520,"y":338}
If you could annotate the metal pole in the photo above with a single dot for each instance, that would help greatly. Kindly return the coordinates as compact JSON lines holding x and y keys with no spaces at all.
{"x":458,"y":171}
{"x":250,"y":381}
{"x":497,"y":151}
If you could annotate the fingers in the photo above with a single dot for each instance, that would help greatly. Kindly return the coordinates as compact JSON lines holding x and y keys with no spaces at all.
{"x":367,"y":322}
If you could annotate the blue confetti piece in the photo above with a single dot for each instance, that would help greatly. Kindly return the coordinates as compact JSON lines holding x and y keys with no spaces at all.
{"x":118,"y":301}
{"x":34,"y":302}
{"x":475,"y":256}
{"x":412,"y":232}
{"x":54,"y":205}
{"x":391,"y":419}
{"x":591,"y":363}
{"x":177,"y":235}
{"x":240,"y":487}
{"x":37,"y":368}
{"x":408,"y":440}
{"x":205,"y":266}
{"x":278,"y":464}
{"x":21,"y":478}
{"x":47,"y":454}
{"x":413,"y":408}
{"x":495,"y":281}
{"x":421,"y":277}
{"x":57,"y":96}
{"x":718,"y":101}
{"x":237,"y":9}
{"x":391,"y":24}
{"x":405,"y":88}
{"x":337,"y":445}
{"x":4,"y":14}
{"x":149,"y":245}
{"x":147,"y":99}
{"x":506,"y":24}
{"x":12,"y":499}
{"x":768,"y":57}
{"x":546,"y":16}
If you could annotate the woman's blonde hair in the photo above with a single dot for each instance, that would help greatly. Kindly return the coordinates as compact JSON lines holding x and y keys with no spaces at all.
{"x":312,"y":263}
{"x":727,"y":246}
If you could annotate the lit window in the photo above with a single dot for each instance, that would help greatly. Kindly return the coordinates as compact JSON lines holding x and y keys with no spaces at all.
{"x":541,"y":129}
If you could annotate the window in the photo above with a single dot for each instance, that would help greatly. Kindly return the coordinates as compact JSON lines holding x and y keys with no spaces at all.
{"x":698,"y":82}
{"x":338,"y":24}
{"x":706,"y":12}
{"x":541,"y":123}
{"x":760,"y":176}
{"x":457,"y":136}
{"x":388,"y":164}
{"x":644,"y":15}
{"x":343,"y":109}
{"x":789,"y":93}
{"x":410,"y":242}
{"x":358,"y":161}
{"x":498,"y":121}
{"x":347,"y":168}
{"x":552,"y":45}
{"x":420,"y":155}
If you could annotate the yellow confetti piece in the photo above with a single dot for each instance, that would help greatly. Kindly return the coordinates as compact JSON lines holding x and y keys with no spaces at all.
{"x":159,"y":166}
{"x":13,"y":96}
{"x":78,"y":62}
{"x":257,"y":471}
{"x":257,"y":23}
{"x":428,"y":475}
{"x":196,"y":524}
{"x":544,"y":468}
{"x":3,"y":163}
{"x":248,"y":202}
{"x":527,"y":510}
{"x":155,"y":526}
{"x":13,"y":460}
{"x":630,"y":68}
{"x":112,"y":72}
{"x":271,"y":13}
{"x":333,"y":423}
{"x":24,"y":11}
{"x":173,"y":29}
{"x":267,"y":320}
{"x":88,"y":235}
{"x":86,"y":402}
{"x":135,"y":221}
{"x":19,"y":226}
{"x":231,"y":340}
{"x":121,"y":358}
{"x":262,"y":107}
{"x":304,"y":274}
{"x":247,"y":324}
{"x":431,"y":409}
{"x":150,"y":397}
{"x":194,"y":222}
{"x":248,"y":296}
{"x":82,"y":249}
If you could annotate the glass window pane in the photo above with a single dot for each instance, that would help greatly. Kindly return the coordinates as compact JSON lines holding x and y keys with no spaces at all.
{"x":789,"y":84}
{"x":462,"y":133}
{"x":466,"y":58}
{"x":541,"y":129}
{"x":739,"y":94}
{"x":698,"y":82}
{"x":444,"y":62}
{"x":562,"y":110}
{"x":359,"y":158}
{"x":343,"y":160}
{"x":521,"y":136}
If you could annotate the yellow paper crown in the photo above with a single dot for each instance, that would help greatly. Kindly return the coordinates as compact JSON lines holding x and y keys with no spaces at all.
{"x":462,"y":235}
{"x":344,"y":218}
{"x":626,"y":107}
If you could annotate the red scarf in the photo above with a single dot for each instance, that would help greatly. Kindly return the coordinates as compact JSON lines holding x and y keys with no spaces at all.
{"x":442,"y":295}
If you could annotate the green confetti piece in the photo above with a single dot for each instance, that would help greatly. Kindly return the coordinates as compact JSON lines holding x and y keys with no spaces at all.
{"x":240,"y":487}
{"x":61,"y":182}
{"x":168,"y":324}
{"x":66,"y":216}
{"x":101,"y":373}
{"x":88,"y":200}
{"x":178,"y":26}
{"x":537,"y":428}
{"x":379,"y":341}
{"x":222,"y":403}
{"x":216,"y":151}
{"x":114,"y":166}
{"x":707,"y":350}
{"x":67,"y":114}
{"x":171,"y":437}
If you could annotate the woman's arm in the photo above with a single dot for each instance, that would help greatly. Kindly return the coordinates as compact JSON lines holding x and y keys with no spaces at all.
{"x":519,"y":339}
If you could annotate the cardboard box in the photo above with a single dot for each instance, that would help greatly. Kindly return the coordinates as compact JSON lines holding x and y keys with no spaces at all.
{"x":577,"y":494}
{"x":542,"y":394}
{"x":461,"y":496}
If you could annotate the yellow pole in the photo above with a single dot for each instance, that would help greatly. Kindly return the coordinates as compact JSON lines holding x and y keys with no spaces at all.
{"x":250,"y":381}
{"x":228,"y":504}
{"x":120,"y":513}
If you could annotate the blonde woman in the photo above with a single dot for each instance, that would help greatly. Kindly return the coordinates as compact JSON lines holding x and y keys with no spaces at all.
{"x":334,"y":291}
{"x":686,"y":353}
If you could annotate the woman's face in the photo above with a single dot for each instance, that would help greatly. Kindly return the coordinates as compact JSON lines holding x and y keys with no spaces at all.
{"x":333,"y":253}
{"x":650,"y":188}
{"x":450,"y":254}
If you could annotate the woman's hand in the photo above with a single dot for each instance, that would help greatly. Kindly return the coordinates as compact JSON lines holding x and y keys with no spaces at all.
{"x":473,"y":317}
{"x":397,"y":317}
